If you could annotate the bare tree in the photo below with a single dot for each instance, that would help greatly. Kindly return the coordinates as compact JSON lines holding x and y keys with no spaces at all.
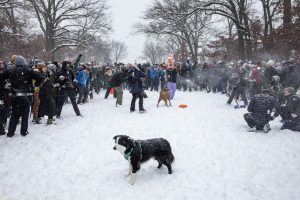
{"x":153,"y":52}
{"x":270,"y":8}
{"x":5,"y":3}
{"x":161,"y":19}
{"x":235,"y":10}
{"x":119,"y":51}
{"x":66,"y":23}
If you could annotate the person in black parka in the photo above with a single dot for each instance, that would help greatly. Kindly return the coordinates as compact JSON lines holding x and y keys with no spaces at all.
{"x":47,"y":104}
{"x":136,"y":87}
{"x":116,"y":83}
{"x":290,"y":112}
{"x":66,"y":79}
{"x":21,"y":78}
{"x":260,"y":109}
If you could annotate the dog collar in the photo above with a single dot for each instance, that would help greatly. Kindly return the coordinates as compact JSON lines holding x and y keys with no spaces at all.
{"x":127,"y":155}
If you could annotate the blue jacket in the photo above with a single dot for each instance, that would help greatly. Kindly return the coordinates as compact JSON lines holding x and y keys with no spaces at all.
{"x":136,"y":84}
{"x":154,"y":73}
{"x":82,"y":78}
{"x":162,"y":75}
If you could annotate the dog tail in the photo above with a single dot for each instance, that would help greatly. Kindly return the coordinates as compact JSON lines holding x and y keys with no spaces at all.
{"x":171,"y":157}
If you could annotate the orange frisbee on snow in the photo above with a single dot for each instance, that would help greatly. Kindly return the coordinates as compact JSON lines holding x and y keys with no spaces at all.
{"x":183,"y":106}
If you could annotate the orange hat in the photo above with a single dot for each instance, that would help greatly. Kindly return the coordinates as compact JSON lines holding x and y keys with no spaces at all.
{"x":13,"y":59}
{"x":40,"y":66}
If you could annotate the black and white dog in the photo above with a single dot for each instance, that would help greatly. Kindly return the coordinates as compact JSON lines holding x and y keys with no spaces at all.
{"x":139,"y":151}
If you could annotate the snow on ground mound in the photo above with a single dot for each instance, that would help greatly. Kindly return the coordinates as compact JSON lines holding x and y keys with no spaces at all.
{"x":216,"y":158}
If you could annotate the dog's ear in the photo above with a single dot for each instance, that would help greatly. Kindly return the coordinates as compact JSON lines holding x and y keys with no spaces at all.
{"x":116,"y":137}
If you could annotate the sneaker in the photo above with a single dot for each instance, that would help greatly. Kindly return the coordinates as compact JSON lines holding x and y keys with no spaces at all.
{"x":3,"y":133}
{"x":252,"y":129}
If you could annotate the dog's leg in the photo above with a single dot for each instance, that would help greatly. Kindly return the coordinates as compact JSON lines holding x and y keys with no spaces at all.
{"x":135,"y":167}
{"x":159,"y":165}
{"x":166,"y":103}
{"x":132,"y":178}
{"x":168,"y":166}
{"x":130,"y":169}
{"x":158,"y":102}
{"x":169,"y":101}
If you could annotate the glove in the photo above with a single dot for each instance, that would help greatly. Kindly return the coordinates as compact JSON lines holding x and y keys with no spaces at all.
{"x":62,"y":78}
{"x":7,"y":86}
{"x":75,"y":81}
{"x":294,"y":115}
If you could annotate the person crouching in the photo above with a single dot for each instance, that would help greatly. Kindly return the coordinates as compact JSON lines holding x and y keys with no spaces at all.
{"x":260,"y":109}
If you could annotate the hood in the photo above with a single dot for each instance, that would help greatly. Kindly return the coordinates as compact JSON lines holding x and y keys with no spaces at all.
{"x":21,"y":61}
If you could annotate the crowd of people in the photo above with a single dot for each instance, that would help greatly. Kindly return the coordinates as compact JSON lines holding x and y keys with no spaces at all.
{"x":267,"y":90}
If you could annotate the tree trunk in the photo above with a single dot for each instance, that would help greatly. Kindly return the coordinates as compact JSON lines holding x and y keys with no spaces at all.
{"x":241,"y":45}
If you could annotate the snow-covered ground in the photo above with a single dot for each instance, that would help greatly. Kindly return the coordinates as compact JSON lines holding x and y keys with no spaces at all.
{"x":216,"y":158}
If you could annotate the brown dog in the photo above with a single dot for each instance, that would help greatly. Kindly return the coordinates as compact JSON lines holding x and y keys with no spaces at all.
{"x":164,"y":95}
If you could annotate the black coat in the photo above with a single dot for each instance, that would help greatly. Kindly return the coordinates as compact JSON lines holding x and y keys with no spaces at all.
{"x":261,"y":106}
{"x":117,"y":79}
{"x":21,"y":79}
{"x":45,"y":88}
{"x":2,"y":90}
{"x":47,"y":105}
{"x":171,"y":75}
{"x":135,"y":81}
{"x":293,"y":106}
{"x":67,"y":83}
{"x":269,"y":73}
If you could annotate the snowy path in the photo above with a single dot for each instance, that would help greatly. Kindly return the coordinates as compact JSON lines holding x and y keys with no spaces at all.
{"x":216,"y":158}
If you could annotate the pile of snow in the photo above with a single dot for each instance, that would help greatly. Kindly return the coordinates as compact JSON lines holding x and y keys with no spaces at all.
{"x":216,"y":158}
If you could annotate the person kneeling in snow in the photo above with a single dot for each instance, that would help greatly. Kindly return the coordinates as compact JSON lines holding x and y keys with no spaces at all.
{"x":290,"y":112}
{"x":260,"y":109}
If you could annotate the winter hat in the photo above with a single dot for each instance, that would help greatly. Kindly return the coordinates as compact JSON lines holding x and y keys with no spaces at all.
{"x":52,"y":67}
{"x":290,"y":90}
{"x":270,"y":63}
{"x":276,"y":79}
{"x":65,"y":64}
{"x":21,"y":61}
{"x":13,"y":59}
{"x":40,"y":66}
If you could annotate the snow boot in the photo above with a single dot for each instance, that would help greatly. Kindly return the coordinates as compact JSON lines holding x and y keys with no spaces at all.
{"x":37,"y":120}
{"x":142,"y":110}
{"x":49,"y":121}
{"x":267,"y":128}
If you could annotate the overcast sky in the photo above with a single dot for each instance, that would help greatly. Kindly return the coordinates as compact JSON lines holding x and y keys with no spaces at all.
{"x":125,"y":14}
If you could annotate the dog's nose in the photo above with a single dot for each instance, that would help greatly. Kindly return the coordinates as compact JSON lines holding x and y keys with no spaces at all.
{"x":115,"y":148}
